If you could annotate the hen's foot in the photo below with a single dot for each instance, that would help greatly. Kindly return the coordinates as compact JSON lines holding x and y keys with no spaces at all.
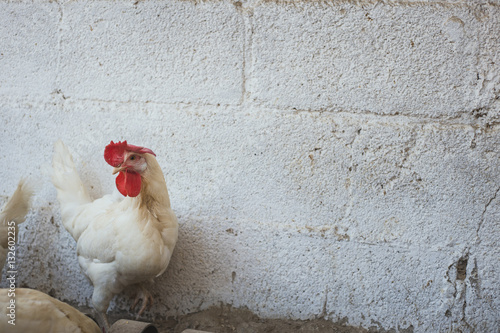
{"x":147,"y":301}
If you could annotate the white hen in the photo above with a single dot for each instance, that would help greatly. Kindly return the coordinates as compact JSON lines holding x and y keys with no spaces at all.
{"x":13,"y":213}
{"x":123,"y":242}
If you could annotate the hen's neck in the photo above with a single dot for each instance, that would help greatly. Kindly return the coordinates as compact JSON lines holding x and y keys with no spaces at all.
{"x":154,"y":194}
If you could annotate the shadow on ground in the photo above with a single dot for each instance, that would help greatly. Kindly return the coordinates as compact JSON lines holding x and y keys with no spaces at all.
{"x":226,"y":319}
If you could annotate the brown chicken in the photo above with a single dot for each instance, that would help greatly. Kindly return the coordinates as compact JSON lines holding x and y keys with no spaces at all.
{"x":27,"y":310}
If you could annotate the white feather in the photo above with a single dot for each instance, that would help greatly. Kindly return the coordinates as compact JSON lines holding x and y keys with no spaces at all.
{"x":13,"y":213}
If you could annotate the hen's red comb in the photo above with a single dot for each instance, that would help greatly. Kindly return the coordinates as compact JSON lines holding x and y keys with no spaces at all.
{"x":113,"y":153}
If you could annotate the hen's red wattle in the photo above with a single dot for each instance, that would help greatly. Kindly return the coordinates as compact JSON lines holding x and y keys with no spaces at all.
{"x":129,"y":183}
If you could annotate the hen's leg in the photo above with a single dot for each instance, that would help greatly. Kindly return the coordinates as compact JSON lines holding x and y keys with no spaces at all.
{"x":102,"y":320}
{"x":147,"y":300}
{"x":100,"y":300}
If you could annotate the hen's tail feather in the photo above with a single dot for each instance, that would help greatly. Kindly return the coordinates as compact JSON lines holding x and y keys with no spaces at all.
{"x":71,"y":192}
{"x":19,"y":204}
{"x":65,"y":178}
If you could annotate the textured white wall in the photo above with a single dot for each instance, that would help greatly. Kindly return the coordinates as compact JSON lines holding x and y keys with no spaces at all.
{"x":336,"y":159}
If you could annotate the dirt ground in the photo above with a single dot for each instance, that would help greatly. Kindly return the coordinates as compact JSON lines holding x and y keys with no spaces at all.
{"x":225,"y":319}
{"x":229,"y":320}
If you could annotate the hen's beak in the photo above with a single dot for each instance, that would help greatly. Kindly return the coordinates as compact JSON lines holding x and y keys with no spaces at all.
{"x":118,"y":169}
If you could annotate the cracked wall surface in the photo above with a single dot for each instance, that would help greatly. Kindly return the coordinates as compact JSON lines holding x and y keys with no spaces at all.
{"x":333,"y":159}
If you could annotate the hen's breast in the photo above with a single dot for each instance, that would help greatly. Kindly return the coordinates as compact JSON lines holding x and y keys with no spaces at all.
{"x":127,"y":238}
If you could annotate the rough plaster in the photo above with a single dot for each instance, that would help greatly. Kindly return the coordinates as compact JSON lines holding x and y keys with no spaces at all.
{"x":334,"y":160}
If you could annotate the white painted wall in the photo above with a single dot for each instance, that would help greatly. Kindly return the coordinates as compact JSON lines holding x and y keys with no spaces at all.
{"x":336,"y":159}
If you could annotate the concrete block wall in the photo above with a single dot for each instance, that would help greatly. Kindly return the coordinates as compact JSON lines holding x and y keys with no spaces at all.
{"x":333,"y":159}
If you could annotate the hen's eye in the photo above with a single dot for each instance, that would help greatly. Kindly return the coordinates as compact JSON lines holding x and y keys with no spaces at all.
{"x":132,"y":157}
